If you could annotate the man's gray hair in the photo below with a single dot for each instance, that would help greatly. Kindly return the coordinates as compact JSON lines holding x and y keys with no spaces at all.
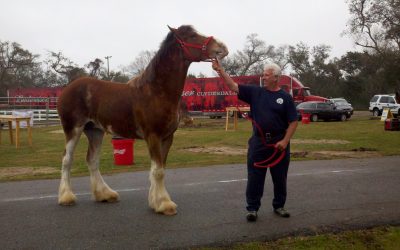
{"x":275,"y":68}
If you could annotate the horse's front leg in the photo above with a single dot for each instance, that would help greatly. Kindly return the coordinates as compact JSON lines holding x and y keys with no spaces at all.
{"x":159,"y":199}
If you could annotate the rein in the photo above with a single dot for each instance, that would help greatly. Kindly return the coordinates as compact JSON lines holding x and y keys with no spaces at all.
{"x":267,"y":162}
{"x":203,"y":47}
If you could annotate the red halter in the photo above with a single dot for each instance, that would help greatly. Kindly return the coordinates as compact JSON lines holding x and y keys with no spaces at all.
{"x":186,"y":51}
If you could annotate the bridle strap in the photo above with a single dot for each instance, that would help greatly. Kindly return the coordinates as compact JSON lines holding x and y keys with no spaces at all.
{"x":185,"y":47}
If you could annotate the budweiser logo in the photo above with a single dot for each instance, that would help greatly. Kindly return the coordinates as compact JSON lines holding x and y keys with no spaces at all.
{"x":119,"y":151}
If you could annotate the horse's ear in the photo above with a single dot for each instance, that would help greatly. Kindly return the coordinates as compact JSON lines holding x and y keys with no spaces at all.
{"x":171,"y":29}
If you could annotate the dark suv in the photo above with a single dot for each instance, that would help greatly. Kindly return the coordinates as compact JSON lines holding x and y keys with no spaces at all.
{"x":322,"y":110}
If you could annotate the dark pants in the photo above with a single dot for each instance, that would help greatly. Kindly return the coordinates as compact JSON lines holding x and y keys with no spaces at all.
{"x":256,"y":176}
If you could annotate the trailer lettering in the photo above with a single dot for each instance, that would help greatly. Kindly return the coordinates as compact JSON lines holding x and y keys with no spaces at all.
{"x":215,"y":93}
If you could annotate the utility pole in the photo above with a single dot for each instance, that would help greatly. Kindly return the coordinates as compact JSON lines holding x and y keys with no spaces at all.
{"x":108,"y":66}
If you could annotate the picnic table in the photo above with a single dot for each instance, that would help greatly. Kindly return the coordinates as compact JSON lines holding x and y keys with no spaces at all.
{"x":235,"y":111}
{"x":17,"y":119}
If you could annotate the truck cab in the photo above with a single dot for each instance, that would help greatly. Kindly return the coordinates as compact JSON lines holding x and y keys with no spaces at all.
{"x":303,"y":94}
{"x":298,"y":91}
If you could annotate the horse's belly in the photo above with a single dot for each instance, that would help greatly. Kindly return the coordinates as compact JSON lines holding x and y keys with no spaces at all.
{"x":119,"y":123}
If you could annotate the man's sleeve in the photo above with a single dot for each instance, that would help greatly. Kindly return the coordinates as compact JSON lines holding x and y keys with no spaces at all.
{"x":245,"y":93}
{"x":291,"y":111}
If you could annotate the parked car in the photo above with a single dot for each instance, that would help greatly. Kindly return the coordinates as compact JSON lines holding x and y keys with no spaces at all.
{"x":342,"y":104}
{"x":379,"y":102}
{"x":322,"y":110}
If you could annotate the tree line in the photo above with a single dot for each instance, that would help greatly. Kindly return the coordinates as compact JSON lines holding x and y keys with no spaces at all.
{"x":357,"y":76}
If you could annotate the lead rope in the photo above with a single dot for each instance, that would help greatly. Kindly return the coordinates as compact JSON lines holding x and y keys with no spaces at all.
{"x":261,"y":164}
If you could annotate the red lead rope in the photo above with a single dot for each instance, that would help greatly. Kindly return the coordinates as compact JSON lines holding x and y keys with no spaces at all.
{"x":267,"y":162}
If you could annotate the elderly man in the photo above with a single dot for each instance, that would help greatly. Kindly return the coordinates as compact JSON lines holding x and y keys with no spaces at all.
{"x":274,"y":112}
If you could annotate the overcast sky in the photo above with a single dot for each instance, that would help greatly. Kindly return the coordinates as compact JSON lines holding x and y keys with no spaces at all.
{"x":87,"y":29}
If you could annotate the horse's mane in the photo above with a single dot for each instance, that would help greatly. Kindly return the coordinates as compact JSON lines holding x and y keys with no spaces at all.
{"x":169,"y":40}
{"x":165,"y":48}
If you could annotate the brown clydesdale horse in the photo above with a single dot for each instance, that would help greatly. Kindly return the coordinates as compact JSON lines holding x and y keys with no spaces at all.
{"x":147,"y":107}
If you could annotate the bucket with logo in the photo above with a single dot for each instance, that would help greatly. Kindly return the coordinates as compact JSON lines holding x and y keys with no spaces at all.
{"x":123,"y":150}
{"x":305,"y":117}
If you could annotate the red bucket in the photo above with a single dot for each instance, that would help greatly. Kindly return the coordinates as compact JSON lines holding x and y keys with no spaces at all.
{"x":305,"y":118}
{"x":392,"y":124}
{"x":123,"y":151}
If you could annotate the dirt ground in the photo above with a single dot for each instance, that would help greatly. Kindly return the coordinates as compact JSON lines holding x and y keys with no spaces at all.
{"x":21,"y":171}
{"x":355,"y":153}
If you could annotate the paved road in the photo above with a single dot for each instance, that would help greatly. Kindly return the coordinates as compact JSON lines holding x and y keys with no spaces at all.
{"x":323,"y":196}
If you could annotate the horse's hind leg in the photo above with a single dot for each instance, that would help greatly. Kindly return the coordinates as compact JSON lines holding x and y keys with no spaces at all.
{"x":159,"y":198}
{"x":101,"y":191}
{"x":65,"y":194}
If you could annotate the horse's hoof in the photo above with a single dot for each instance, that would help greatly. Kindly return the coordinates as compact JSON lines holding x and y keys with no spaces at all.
{"x":170,"y":212}
{"x":67,"y":199}
{"x":111,"y":197}
{"x":168,"y":208}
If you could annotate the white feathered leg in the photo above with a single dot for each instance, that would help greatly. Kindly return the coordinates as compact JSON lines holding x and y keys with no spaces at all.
{"x":65,"y":194}
{"x":159,"y":198}
{"x":101,"y":191}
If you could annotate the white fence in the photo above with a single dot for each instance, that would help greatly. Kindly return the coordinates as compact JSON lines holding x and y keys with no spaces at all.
{"x":38,"y":114}
{"x":21,"y":102}
{"x":43,"y":108}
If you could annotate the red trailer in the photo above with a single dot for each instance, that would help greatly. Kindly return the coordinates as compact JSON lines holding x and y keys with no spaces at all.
{"x":34,"y":97}
{"x":210,"y":96}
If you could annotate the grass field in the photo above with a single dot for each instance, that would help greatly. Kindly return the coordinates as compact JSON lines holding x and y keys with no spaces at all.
{"x":383,"y":238}
{"x":204,"y":143}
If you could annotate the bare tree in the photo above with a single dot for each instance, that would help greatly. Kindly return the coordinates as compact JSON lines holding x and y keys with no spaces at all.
{"x":94,"y":67}
{"x":251,"y":60}
{"x":375,"y":24}
{"x":320,"y":55}
{"x":299,"y":59}
{"x":64,"y":66}
{"x":313,"y":67}
{"x":140,"y":63}
{"x":18,"y":67}
{"x":114,"y":76}
{"x":280,"y":56}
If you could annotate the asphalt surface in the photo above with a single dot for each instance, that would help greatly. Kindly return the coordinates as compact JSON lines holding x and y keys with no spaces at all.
{"x":323,"y":196}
